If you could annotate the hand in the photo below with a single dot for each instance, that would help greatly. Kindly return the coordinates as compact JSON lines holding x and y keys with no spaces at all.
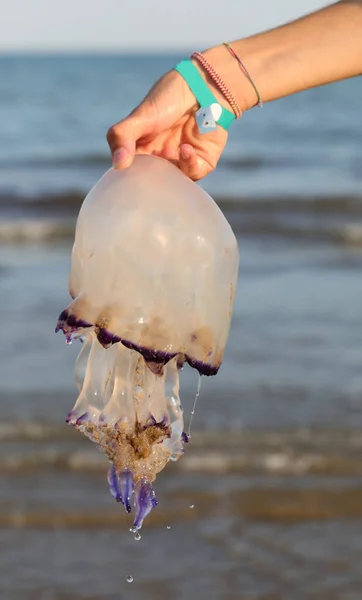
{"x":164,"y":125}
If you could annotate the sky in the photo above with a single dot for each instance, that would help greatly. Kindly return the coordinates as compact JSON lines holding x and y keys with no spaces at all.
{"x":111,"y":25}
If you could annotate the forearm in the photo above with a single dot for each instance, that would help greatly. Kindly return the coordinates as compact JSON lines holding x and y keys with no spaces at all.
{"x":320,"y":48}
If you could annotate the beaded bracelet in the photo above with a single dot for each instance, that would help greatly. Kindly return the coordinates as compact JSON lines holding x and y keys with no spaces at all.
{"x":211,"y":113}
{"x":246,"y":72}
{"x":219,"y":82}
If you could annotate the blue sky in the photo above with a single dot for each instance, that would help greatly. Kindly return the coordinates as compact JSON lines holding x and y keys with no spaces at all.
{"x":138,"y":24}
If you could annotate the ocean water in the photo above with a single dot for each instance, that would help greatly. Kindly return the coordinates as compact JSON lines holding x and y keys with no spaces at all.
{"x":55,"y":111}
{"x":274,"y":466}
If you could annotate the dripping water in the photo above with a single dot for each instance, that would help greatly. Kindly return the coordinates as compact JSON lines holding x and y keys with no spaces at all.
{"x":194,"y":406}
{"x":136,"y":533}
{"x":129,"y":578}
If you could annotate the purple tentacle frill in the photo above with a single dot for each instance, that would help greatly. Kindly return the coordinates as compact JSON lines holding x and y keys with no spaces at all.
{"x":121,"y":486}
{"x":144,"y":501}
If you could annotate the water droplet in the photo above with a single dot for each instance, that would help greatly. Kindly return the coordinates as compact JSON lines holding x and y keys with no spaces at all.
{"x":192,"y":505}
{"x":194,"y":406}
{"x":133,"y":529}
{"x":168,"y":526}
{"x":129,"y":578}
{"x":137,"y":536}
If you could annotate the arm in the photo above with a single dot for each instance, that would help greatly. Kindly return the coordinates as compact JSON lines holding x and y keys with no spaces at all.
{"x":320,"y":48}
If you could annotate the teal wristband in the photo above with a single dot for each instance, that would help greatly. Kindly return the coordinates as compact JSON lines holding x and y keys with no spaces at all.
{"x":202,"y":93}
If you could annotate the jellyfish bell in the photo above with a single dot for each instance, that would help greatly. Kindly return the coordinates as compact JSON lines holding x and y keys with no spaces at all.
{"x":153,"y":275}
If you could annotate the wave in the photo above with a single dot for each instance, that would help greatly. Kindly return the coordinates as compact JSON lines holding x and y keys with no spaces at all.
{"x":294,"y":204}
{"x":103,"y":160}
{"x":273,"y":503}
{"x":349,"y":234}
{"x":17,"y":205}
{"x":34,"y":447}
{"x":50,"y":218}
{"x":311,"y":437}
{"x":70,"y":201}
{"x":36,"y":230}
{"x":222,"y":461}
{"x":82,"y":160}
{"x":34,"y":432}
{"x":49,"y":230}
{"x":254,"y":163}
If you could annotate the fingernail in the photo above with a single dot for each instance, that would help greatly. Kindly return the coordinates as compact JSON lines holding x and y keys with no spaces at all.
{"x":185,"y":152}
{"x":120,"y":157}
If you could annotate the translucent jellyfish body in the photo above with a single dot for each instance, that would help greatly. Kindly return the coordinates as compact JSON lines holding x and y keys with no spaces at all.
{"x":153,"y":275}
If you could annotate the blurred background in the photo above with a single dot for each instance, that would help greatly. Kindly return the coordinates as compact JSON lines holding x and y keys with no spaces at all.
{"x":266,"y":503}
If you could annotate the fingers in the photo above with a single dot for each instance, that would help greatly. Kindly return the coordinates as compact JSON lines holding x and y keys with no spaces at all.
{"x":122,"y":139}
{"x":192,"y":165}
{"x":122,"y":144}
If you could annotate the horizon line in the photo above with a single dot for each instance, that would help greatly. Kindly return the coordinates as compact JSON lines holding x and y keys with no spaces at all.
{"x":99,"y":51}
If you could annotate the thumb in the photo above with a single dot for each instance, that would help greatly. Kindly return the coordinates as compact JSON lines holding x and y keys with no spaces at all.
{"x":123,"y":136}
{"x":192,"y":165}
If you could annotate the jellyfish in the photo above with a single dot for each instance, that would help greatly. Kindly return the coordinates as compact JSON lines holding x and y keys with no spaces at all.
{"x":153,"y":274}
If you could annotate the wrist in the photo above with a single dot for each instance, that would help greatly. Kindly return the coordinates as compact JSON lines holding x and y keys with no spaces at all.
{"x":229,"y":70}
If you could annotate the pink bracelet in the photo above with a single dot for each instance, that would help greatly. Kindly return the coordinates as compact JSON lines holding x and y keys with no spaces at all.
{"x":218,"y":82}
{"x":246,"y":72}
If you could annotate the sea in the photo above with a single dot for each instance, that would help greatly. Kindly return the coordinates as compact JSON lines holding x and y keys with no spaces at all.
{"x":266,"y":503}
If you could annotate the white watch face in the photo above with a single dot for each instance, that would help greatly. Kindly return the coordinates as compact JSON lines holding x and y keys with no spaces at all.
{"x":205,"y":119}
{"x":216,"y":110}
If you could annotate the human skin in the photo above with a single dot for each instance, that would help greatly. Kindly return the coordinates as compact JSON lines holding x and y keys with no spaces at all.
{"x":318,"y":49}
